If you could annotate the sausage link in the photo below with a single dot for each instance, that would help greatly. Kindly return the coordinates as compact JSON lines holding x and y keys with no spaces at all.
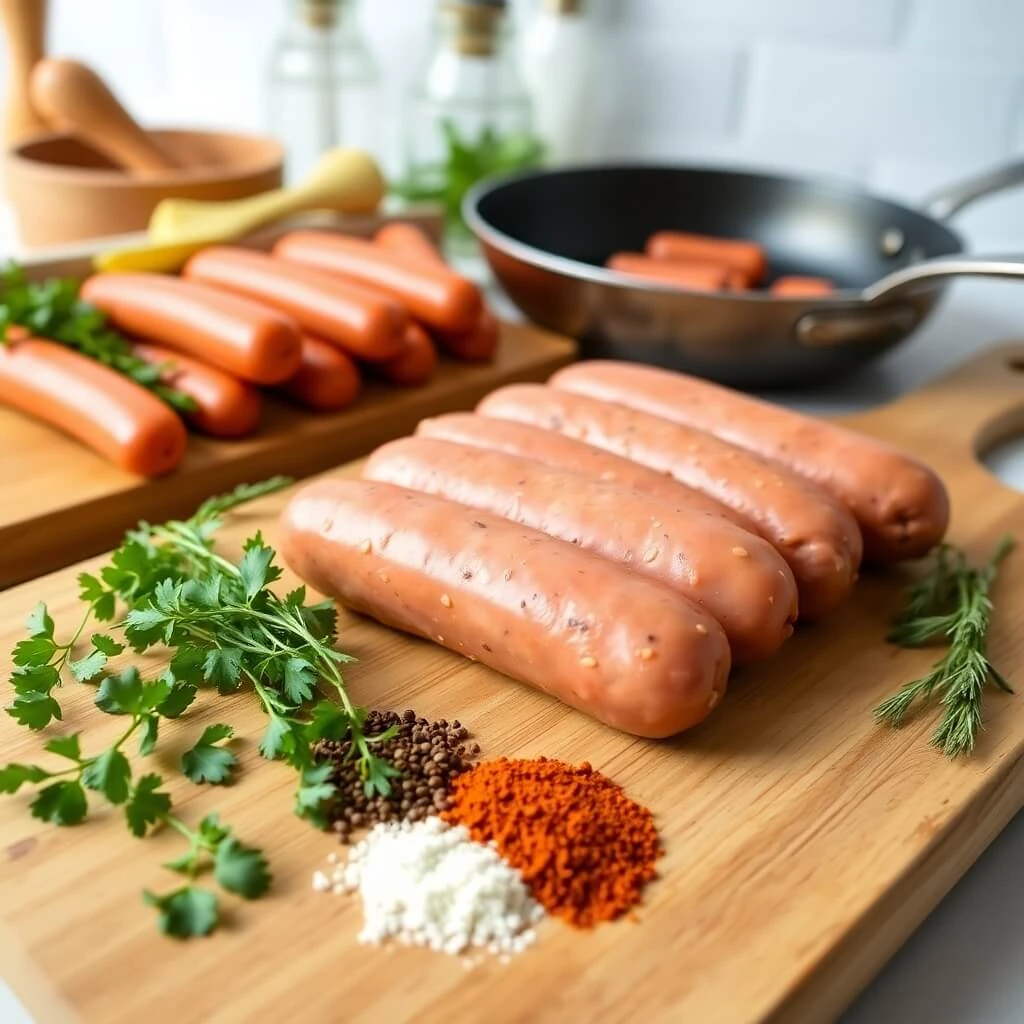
{"x":225,"y":406}
{"x":476,"y":345}
{"x":746,"y":257}
{"x":692,"y":275}
{"x":226,"y":331}
{"x":606,"y":640}
{"x":901,"y":505}
{"x":415,"y":365}
{"x":365,"y":323}
{"x":432,"y":293}
{"x":327,"y":380}
{"x":98,"y":406}
{"x":566,"y":453}
{"x":801,"y":287}
{"x":813,"y":532}
{"x":737,"y":577}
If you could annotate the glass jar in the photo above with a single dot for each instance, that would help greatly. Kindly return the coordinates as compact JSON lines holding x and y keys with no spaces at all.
{"x":469,"y":114}
{"x":323,"y":85}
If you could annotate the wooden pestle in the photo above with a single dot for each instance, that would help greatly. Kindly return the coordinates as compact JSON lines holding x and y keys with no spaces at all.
{"x":24,"y":28}
{"x":74,"y":98}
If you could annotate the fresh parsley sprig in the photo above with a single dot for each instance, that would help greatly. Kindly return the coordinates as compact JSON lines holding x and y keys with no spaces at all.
{"x":52,"y":309}
{"x":225,"y":628}
{"x":951,"y":603}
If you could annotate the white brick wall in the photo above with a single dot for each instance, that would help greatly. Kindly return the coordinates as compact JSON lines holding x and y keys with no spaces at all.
{"x":900,"y":94}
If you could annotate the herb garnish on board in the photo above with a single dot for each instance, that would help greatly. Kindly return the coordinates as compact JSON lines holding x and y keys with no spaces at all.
{"x":952,"y":602}
{"x":224,"y":628}
{"x":52,"y":310}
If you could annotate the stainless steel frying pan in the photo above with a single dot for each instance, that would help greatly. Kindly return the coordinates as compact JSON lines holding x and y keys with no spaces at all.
{"x":546,"y":235}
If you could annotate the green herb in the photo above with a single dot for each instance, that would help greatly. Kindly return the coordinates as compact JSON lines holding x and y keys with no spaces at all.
{"x":224,"y":627}
{"x":466,"y":163}
{"x":952,"y":603}
{"x":52,"y":309}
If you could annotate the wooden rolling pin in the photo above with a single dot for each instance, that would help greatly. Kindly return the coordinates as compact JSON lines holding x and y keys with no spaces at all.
{"x":24,"y":27}
{"x":74,"y":98}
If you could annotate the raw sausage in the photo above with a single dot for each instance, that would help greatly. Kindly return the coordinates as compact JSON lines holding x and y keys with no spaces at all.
{"x":328,"y":379}
{"x":98,"y":406}
{"x":225,"y":406}
{"x":365,"y":323}
{"x":693,"y":276}
{"x":480,"y":342}
{"x":801,"y":287}
{"x":746,"y":257}
{"x":812,"y":531}
{"x":901,"y":505}
{"x":737,"y":577}
{"x":226,"y":331}
{"x":566,"y":453}
{"x":431,"y":292}
{"x":617,"y":645}
{"x":415,"y":365}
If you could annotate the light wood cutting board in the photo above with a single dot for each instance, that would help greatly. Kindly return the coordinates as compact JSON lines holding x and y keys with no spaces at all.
{"x":61,"y":502}
{"x":804,"y":844}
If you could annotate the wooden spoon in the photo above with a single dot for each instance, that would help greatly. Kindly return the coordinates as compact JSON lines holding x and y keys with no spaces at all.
{"x":24,"y":26}
{"x":72,"y":97}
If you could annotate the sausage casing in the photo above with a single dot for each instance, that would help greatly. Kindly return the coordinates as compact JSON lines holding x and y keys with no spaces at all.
{"x":901,"y":505}
{"x":815,"y":534}
{"x":619,"y":646}
{"x":739,"y":578}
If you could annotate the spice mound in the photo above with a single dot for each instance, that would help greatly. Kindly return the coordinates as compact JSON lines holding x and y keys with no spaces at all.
{"x":428,"y":755}
{"x":428,"y":884}
{"x":582,"y":846}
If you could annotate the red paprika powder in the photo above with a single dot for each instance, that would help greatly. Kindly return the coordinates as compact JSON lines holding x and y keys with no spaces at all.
{"x":584,"y":848}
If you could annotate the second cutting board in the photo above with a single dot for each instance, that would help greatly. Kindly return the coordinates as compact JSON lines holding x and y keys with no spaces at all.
{"x":61,"y":502}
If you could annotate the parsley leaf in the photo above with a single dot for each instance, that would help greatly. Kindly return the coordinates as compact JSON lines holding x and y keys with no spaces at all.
{"x":109,"y":774}
{"x":146,"y":806}
{"x":223,"y":667}
{"x":177,"y":702}
{"x":90,"y":666}
{"x":14,"y":776}
{"x":206,"y":762}
{"x":37,"y":650}
{"x":39,"y":622}
{"x":241,"y":869}
{"x":314,"y":790}
{"x":34,"y":710}
{"x":186,"y":912}
{"x":62,"y":803}
{"x":299,"y":680}
{"x":150,"y":732}
{"x":65,"y":746}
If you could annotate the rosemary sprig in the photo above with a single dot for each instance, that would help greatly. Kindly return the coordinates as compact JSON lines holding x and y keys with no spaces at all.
{"x":952,"y":603}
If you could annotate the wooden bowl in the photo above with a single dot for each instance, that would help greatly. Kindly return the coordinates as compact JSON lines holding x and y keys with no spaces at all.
{"x":64,"y":191}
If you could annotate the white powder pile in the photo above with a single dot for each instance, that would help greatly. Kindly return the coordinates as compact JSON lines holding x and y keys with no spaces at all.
{"x":425,"y":883}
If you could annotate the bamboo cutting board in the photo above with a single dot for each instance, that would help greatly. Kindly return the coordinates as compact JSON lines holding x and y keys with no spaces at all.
{"x":804,"y":844}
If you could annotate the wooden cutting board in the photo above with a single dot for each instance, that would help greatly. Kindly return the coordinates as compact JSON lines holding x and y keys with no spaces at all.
{"x":62,"y":502}
{"x":804,"y":844}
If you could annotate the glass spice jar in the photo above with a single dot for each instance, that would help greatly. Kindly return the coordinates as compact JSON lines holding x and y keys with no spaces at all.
{"x":323,"y":87}
{"x":468,"y":115}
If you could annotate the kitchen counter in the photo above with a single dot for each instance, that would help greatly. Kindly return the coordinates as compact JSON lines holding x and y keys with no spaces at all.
{"x":963,"y":963}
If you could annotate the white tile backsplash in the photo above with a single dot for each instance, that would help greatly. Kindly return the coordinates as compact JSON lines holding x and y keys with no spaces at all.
{"x":893,"y":93}
{"x":842,"y":22}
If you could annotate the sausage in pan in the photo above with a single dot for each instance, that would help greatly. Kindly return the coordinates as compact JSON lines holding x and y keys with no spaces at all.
{"x":617,"y":645}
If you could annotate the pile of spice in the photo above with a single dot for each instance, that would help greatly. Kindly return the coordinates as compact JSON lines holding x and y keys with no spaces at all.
{"x":426,"y":883}
{"x":583,"y":847}
{"x":428,"y":755}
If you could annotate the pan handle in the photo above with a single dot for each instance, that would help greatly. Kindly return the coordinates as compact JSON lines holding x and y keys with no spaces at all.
{"x":908,"y":279}
{"x":943,"y":204}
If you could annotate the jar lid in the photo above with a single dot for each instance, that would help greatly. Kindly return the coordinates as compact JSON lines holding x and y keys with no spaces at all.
{"x":564,"y":6}
{"x":476,"y":25}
